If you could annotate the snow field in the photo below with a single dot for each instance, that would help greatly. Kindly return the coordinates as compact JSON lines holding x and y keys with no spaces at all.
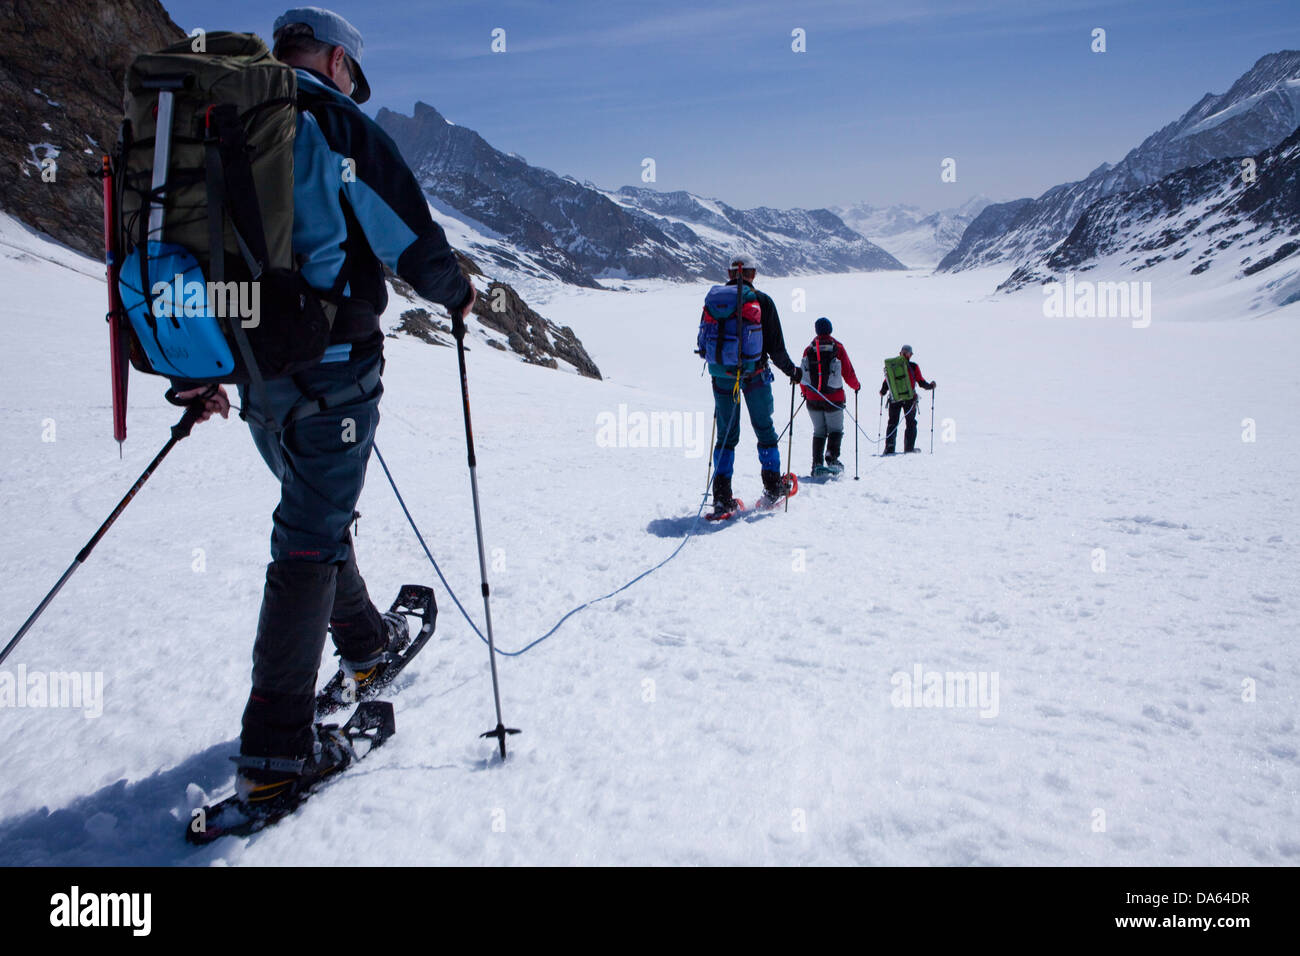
{"x":738,"y":705}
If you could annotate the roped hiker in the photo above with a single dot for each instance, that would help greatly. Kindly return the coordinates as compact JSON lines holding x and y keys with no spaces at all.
{"x":356,"y":208}
{"x":825,"y":371}
{"x":739,"y":333}
{"x":903,"y":399}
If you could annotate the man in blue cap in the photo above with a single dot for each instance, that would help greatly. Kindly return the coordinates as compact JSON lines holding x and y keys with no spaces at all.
{"x":323,"y":43}
{"x":357,"y":208}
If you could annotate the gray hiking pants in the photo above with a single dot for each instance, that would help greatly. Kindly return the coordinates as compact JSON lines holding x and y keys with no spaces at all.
{"x":826,"y":422}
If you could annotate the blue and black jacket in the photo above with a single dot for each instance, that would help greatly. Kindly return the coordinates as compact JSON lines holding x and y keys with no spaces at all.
{"x":358,"y":208}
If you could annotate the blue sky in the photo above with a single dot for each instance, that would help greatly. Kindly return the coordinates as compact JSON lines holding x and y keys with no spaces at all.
{"x":886,"y":90}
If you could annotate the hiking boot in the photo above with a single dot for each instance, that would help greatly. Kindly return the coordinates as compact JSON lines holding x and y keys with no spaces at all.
{"x":369,"y":668}
{"x":775,"y":487}
{"x":833,"y":451}
{"x":723,"y":500}
{"x":819,"y":447}
{"x":273,"y":784}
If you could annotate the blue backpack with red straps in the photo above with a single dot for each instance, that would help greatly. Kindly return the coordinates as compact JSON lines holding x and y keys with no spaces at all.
{"x":731,"y":329}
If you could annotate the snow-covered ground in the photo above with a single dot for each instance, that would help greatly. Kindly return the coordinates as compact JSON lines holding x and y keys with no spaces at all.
{"x":1097,"y":545}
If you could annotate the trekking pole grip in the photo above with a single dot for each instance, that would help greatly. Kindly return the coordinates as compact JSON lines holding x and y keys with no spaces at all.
{"x":194,"y":408}
{"x":182,"y":428}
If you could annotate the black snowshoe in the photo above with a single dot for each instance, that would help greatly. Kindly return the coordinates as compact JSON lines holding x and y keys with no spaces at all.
{"x":725,"y":505}
{"x":776,"y":488}
{"x":268,"y":789}
{"x":363,"y":680}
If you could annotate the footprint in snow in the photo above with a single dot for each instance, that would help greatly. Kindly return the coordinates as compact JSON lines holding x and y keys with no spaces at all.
{"x":1057,"y":782}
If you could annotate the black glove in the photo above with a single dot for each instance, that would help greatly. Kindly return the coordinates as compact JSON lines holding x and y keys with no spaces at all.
{"x":796,"y":376}
{"x":932,"y":385}
{"x":883,"y":391}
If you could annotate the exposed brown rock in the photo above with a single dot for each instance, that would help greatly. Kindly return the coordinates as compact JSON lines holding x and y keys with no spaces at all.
{"x":537,"y":339}
{"x":75,"y":52}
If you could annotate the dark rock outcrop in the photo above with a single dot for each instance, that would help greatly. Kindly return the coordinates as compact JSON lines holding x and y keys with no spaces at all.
{"x":62,"y":69}
{"x":537,"y":339}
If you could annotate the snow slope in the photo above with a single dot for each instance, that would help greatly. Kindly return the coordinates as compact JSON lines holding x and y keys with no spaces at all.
{"x":734,"y":707}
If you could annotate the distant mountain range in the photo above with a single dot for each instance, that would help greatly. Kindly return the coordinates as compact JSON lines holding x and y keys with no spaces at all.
{"x":1209,"y":217}
{"x":1260,"y":110}
{"x":915,"y":238}
{"x":543,"y":225}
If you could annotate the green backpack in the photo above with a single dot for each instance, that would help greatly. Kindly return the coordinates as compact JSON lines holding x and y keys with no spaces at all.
{"x":200,"y":217}
{"x":899,"y":379}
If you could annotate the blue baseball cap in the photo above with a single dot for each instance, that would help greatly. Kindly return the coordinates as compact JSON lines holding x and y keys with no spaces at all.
{"x":328,"y":27}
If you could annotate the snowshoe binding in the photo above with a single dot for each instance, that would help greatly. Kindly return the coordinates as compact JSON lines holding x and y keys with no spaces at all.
{"x":725,"y":505}
{"x":364,"y":679}
{"x":776,"y":488}
{"x":267,"y":789}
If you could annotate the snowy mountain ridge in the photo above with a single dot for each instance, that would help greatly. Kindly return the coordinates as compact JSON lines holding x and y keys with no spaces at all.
{"x":555,"y":227}
{"x":1257,"y":112}
{"x":1216,"y":216}
{"x":910,"y":235}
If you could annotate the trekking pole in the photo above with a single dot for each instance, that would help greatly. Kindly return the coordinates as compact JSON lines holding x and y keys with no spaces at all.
{"x":856,"y":429}
{"x":713,"y":432}
{"x":932,"y":421}
{"x":789,"y":453}
{"x":180,"y":430}
{"x":880,"y":419}
{"x":501,"y":730}
{"x":797,"y":410}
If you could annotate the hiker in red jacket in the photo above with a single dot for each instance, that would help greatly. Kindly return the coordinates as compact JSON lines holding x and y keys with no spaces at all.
{"x":825,"y":371}
{"x":908,"y":408}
